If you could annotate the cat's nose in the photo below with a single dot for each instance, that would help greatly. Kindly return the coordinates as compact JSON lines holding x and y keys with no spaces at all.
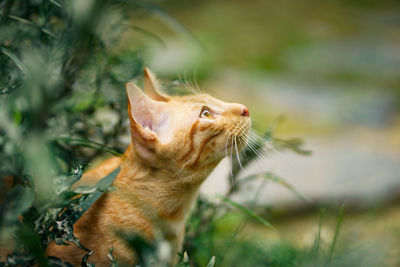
{"x":241,"y":110}
{"x":245,"y":112}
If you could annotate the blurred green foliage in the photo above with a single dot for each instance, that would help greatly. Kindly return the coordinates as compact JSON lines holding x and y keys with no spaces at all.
{"x":59,"y":69}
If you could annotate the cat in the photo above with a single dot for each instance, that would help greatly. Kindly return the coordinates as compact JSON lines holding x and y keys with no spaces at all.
{"x":176,"y":142}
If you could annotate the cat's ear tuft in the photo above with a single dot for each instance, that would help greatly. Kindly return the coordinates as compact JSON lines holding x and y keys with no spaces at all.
{"x":152,"y":87}
{"x":149,"y":118}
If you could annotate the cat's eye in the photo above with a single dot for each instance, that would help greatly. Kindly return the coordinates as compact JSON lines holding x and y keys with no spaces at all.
{"x":206,"y":113}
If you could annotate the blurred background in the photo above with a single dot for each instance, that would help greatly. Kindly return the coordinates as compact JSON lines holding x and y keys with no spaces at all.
{"x":327,"y":72}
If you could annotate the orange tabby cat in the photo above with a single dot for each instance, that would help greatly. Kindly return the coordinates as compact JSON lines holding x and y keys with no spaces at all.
{"x":176,"y":142}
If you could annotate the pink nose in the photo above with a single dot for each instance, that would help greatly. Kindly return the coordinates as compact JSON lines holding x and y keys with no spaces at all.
{"x":245,"y":112}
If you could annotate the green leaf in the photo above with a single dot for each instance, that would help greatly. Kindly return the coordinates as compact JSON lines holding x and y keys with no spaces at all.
{"x":337,"y":231}
{"x":14,"y":58}
{"x":212,"y":262}
{"x":248,"y":212}
{"x":19,"y":19}
{"x":111,"y":258}
{"x":63,"y":183}
{"x":55,"y":3}
{"x":30,"y":23}
{"x":101,"y":187}
{"x":74,"y":141}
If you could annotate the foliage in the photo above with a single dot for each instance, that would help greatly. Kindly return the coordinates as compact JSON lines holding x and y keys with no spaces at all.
{"x":60,"y":70}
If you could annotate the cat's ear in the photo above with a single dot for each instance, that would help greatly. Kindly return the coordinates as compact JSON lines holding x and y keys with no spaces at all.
{"x":152,"y":86}
{"x":148,"y":120}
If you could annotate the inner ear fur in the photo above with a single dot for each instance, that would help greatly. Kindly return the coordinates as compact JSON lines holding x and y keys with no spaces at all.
{"x":152,"y":86}
{"x":148,"y":118}
{"x":137,"y":131}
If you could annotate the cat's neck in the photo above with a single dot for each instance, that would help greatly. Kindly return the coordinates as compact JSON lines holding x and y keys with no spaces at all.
{"x":161,"y":193}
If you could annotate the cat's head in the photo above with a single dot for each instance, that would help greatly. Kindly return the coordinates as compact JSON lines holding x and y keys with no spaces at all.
{"x":184,"y":132}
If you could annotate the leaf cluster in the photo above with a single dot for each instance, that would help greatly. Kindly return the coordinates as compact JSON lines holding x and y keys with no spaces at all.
{"x":59,"y":69}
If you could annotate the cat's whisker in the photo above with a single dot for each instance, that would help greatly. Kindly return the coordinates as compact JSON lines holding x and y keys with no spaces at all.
{"x":185,"y":85}
{"x":255,"y":150}
{"x":266,"y":141}
{"x":237,"y":155}
{"x":258,"y":150}
{"x":190,"y":85}
{"x":249,"y":146}
{"x":243,"y":141}
{"x":262,"y":142}
{"x":226,"y":145}
{"x":256,"y":137}
{"x":198,"y":90}
{"x":268,"y":147}
{"x":231,"y":169}
{"x":196,"y":83}
{"x":189,"y":88}
{"x":257,"y":134}
{"x":260,"y":157}
{"x":251,"y":139}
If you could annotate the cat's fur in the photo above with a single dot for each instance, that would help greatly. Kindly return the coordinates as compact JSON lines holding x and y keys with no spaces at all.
{"x":175,"y":145}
